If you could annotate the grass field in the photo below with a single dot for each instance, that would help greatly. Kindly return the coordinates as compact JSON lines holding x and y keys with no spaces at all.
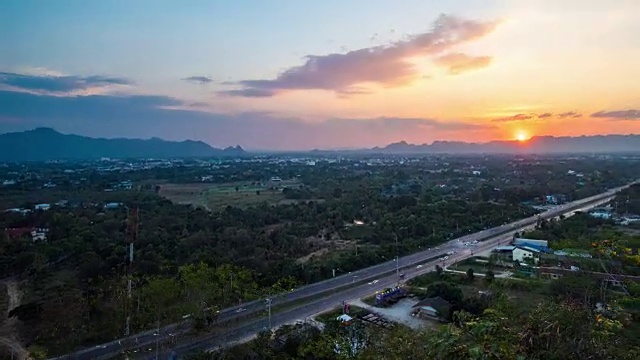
{"x":215,"y":196}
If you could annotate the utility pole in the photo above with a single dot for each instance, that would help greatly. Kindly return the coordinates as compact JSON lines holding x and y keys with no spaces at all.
{"x":231,"y":287}
{"x":397,"y":258}
{"x":132,"y":235}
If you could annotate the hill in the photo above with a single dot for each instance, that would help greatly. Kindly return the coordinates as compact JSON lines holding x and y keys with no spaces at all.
{"x":537,"y":145}
{"x":44,"y":144}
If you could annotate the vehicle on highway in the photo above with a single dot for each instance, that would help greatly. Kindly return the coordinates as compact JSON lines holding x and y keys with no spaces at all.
{"x":419,"y":267}
{"x":239,"y":310}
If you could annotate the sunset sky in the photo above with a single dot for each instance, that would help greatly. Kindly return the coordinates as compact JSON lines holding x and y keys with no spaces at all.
{"x":326,"y":74}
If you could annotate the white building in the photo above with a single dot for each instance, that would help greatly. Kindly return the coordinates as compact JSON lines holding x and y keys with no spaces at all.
{"x":43,"y":207}
{"x":521,"y":254}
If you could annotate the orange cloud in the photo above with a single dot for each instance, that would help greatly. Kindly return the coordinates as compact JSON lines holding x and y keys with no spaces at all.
{"x":457,"y":63}
{"x":388,"y":65}
{"x":537,"y":116}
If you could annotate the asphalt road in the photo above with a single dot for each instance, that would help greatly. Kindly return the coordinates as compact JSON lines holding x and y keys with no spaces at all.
{"x":384,"y":272}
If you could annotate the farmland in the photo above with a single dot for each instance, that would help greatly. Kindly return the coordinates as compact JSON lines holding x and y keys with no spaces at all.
{"x":216,"y":196}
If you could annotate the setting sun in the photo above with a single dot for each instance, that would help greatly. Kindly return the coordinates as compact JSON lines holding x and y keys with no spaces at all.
{"x":522,"y":136}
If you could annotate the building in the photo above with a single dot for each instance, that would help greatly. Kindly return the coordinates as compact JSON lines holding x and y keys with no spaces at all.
{"x":600,"y":214}
{"x":112,"y":205}
{"x":43,"y":207}
{"x":432,"y":308}
{"x":36,"y":234}
{"x":529,"y":242}
{"x":520,"y":255}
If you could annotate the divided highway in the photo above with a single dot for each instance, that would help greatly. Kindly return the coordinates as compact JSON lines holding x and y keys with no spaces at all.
{"x":313,"y":293}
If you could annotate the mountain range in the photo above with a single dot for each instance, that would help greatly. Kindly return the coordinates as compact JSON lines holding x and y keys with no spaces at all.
{"x":535,"y":145}
{"x":44,"y":144}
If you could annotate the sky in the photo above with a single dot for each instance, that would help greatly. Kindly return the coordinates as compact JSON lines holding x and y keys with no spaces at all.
{"x":298,"y":75}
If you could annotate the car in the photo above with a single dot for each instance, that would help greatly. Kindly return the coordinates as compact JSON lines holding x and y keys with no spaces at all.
{"x":419,"y":267}
{"x":446,"y":258}
{"x":375,"y":281}
{"x":239,"y":310}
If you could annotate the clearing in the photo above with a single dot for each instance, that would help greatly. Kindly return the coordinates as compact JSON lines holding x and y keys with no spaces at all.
{"x":215,"y":196}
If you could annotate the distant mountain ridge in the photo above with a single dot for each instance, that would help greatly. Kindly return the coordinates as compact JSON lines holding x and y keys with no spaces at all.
{"x":537,"y":145}
{"x":44,"y":144}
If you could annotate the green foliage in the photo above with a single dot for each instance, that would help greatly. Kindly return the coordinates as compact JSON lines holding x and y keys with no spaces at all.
{"x":489,"y":276}
{"x":470,"y":275}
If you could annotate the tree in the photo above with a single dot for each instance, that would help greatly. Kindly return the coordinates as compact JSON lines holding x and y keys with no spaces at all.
{"x":439,"y":270}
{"x":489,"y":276}
{"x":449,"y":292}
{"x":470,"y":275}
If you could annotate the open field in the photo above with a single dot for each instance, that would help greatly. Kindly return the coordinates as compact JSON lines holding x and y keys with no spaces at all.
{"x":215,"y":196}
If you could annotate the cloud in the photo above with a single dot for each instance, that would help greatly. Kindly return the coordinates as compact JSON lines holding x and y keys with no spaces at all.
{"x":57,"y":84}
{"x":630,"y":114}
{"x":458,"y":63}
{"x":537,"y":116}
{"x":198,"y":79}
{"x":517,"y":117}
{"x":571,"y":114}
{"x":388,"y":65}
{"x":165,"y":117}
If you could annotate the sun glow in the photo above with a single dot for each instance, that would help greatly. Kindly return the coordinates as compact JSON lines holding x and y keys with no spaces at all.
{"x":522,"y":136}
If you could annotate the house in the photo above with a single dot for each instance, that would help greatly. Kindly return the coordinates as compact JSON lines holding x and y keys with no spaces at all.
{"x":43,"y":207}
{"x":432,"y":308}
{"x":39,"y":234}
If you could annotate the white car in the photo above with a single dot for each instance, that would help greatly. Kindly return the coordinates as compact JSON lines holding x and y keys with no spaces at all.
{"x":419,"y":267}
{"x":374,"y":281}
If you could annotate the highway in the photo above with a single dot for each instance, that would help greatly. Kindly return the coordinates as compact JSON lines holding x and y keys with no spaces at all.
{"x":315,"y":294}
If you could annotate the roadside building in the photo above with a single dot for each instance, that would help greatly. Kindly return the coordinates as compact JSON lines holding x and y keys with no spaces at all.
{"x":435,"y":308}
{"x":529,"y":242}
{"x":523,"y":255}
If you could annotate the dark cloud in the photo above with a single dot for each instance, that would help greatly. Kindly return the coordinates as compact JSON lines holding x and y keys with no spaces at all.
{"x":165,"y":117}
{"x":457,"y":63}
{"x":60,"y":84}
{"x":388,"y":65}
{"x":545,"y":115}
{"x":198,"y":79}
{"x":630,"y":114}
